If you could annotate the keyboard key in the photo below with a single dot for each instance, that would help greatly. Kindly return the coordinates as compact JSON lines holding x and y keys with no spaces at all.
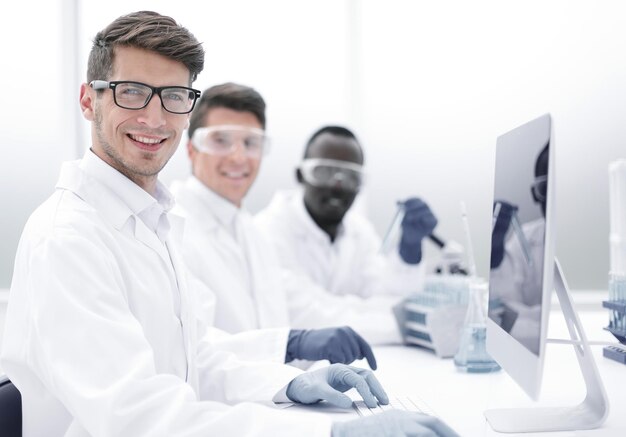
{"x":404,"y":403}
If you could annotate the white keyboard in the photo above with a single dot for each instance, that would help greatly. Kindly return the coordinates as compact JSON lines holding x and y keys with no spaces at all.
{"x":406,"y":403}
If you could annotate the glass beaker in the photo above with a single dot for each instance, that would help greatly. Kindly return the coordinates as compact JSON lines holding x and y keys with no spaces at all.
{"x":472,"y":356}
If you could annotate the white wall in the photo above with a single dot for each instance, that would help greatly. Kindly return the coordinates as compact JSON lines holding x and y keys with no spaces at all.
{"x":38,"y":111}
{"x":427,"y":86}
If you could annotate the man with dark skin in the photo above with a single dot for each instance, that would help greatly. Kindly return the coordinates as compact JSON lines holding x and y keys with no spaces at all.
{"x":327,"y":205}
{"x":317,"y":233}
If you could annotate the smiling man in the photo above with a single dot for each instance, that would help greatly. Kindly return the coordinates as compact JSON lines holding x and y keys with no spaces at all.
{"x":227,"y":253}
{"x":101,"y":335}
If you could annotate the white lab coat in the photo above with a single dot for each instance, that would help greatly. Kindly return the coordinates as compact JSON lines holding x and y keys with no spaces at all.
{"x":101,"y":337}
{"x":515,"y":280}
{"x":232,"y":257}
{"x":351,"y":265}
{"x":518,"y":284}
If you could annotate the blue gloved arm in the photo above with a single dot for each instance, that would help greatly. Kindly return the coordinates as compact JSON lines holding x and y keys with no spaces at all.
{"x":329,"y":384}
{"x":394,"y":423}
{"x":500,"y":228}
{"x":418,"y":222}
{"x":337,"y":345}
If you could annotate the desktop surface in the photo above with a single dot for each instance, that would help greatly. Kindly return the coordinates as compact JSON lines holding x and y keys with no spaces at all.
{"x":460,"y":398}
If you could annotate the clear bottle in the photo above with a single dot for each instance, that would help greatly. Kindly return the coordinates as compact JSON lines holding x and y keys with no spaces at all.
{"x":472,"y":356}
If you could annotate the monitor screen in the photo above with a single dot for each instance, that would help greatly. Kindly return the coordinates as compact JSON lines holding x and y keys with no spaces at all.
{"x":519,"y":287}
{"x":523,"y":273}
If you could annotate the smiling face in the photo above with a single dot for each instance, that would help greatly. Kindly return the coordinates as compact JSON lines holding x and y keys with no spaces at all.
{"x":231,"y":175}
{"x":137,"y":143}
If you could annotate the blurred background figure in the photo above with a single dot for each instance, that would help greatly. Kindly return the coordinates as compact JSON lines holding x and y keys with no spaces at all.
{"x":318,"y":233}
{"x":517,"y":260}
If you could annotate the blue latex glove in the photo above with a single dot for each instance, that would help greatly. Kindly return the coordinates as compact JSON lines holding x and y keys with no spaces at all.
{"x":500,"y":228}
{"x":329,"y":383}
{"x":418,"y":222}
{"x":394,"y":423}
{"x":337,"y":345}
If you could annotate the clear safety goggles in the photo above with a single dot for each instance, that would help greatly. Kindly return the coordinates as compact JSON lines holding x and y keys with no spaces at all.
{"x":221,"y":140}
{"x":331,"y":173}
{"x":540,"y":188}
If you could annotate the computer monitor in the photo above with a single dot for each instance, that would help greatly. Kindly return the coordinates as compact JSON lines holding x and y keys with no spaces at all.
{"x":523,"y":273}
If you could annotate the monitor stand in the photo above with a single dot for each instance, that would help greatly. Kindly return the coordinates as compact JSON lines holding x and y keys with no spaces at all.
{"x":589,"y":414}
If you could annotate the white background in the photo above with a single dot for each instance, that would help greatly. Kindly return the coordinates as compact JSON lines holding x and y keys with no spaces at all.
{"x":426,"y":86}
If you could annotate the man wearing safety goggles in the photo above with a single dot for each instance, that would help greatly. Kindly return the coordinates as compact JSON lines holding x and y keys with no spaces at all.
{"x":225,"y":250}
{"x":319,"y":234}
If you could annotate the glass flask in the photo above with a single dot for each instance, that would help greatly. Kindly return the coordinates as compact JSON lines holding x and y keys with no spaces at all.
{"x":472,"y":356}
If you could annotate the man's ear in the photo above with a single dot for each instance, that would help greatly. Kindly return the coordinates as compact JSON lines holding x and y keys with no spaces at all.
{"x":299,"y":177}
{"x":87,"y":102}
{"x":191,"y":151}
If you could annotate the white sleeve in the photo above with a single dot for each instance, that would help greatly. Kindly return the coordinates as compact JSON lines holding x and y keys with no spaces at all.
{"x":84,"y":345}
{"x":310,"y":306}
{"x":268,"y":344}
{"x":254,"y":345}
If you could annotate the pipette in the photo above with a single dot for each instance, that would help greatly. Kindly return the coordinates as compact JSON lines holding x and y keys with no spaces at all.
{"x":517,"y":230}
{"x":470,"y":247}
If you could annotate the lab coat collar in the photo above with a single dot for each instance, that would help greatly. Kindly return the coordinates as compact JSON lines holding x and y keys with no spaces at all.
{"x":119,"y":200}
{"x":138,"y":200}
{"x":213,"y":204}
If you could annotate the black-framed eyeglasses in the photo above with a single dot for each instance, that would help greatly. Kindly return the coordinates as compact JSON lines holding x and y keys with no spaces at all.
{"x":128,"y":94}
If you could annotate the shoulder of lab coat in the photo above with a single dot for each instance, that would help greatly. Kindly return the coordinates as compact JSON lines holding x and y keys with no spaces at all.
{"x":311,"y":307}
{"x":198,"y":246}
{"x":76,"y":347}
{"x":358,"y":268}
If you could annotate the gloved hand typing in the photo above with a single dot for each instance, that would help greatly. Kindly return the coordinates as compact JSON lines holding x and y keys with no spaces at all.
{"x":329,"y":383}
{"x":394,"y":423}
{"x":500,"y":228}
{"x":418,"y":222}
{"x":337,"y":345}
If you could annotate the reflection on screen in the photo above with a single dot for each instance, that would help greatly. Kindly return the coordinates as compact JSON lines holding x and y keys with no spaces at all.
{"x":517,"y":249}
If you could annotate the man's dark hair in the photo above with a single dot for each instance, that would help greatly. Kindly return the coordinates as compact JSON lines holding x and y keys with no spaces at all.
{"x":227,"y":95}
{"x":149,"y":31}
{"x":334,"y":130}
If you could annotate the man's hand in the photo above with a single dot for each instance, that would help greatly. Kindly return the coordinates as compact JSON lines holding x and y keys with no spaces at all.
{"x":418,"y":222}
{"x":501,"y":226}
{"x":329,"y":384}
{"x":337,"y":345}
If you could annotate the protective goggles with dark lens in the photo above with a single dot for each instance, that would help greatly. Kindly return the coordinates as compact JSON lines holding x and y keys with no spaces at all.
{"x":221,"y":140}
{"x":539,"y":188}
{"x":331,"y":173}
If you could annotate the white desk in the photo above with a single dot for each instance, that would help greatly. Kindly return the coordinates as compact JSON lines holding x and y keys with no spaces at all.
{"x":461,"y":398}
